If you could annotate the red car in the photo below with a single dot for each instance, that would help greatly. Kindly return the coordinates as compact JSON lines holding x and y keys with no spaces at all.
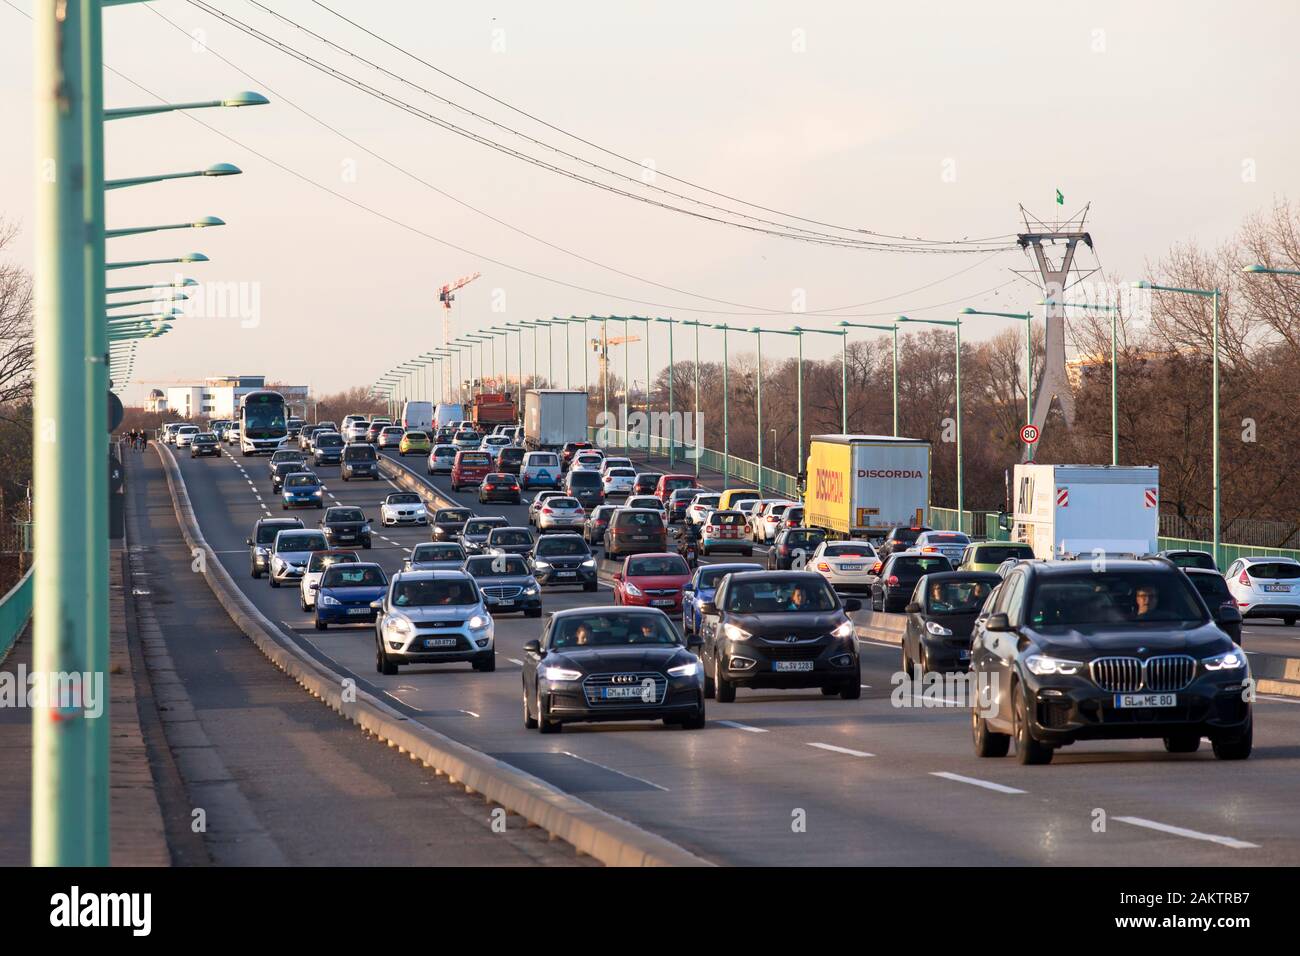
{"x":652,"y":580}
{"x":470,"y":468}
{"x":670,"y":483}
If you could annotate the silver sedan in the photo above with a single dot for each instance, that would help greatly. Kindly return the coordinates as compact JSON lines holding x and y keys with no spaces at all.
{"x":561,"y":514}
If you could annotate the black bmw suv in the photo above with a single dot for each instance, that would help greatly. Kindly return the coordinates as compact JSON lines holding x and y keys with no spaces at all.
{"x":1072,"y":652}
{"x":779,"y":629}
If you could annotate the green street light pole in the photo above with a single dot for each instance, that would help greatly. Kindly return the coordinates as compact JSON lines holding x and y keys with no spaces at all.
{"x":672,"y":426}
{"x":955,"y":325}
{"x":726,"y":396}
{"x":176,"y":284}
{"x":696,"y":429}
{"x":844,"y":374}
{"x":1213,"y":296}
{"x":1267,"y":270}
{"x":236,"y":100}
{"x":188,"y":257}
{"x":216,"y":169}
{"x":799,"y":390}
{"x":892,"y":329}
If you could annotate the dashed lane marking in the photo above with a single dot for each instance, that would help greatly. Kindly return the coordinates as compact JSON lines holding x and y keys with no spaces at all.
{"x":841,"y":750}
{"x":1230,"y":842}
{"x":739,"y":726}
{"x":975,"y":782}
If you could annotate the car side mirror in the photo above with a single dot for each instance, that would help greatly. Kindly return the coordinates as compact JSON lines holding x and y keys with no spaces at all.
{"x":315,"y":587}
{"x":248,"y":541}
{"x":694,"y":640}
{"x":708,"y":607}
{"x":376,"y":605}
{"x":1229,"y":614}
{"x":533,"y":647}
{"x":997,"y":622}
{"x":913,"y":607}
{"x":851,"y":605}
{"x":617,"y":575}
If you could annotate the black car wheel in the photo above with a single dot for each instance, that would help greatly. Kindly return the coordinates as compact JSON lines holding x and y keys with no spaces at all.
{"x":724,"y":691}
{"x":1187,"y":743}
{"x":487,"y":665}
{"x":1235,"y":748}
{"x":545,"y":726}
{"x":710,"y":689}
{"x":533,"y":612}
{"x":853,"y":689}
{"x":321,"y":625}
{"x":302,"y":605}
{"x":274,"y":583}
{"x":590,"y":586}
{"x":382,"y":664}
{"x":254,"y":573}
{"x":529,"y":722}
{"x":987,"y":743}
{"x":1028,"y":750}
{"x":695,"y":721}
{"x":830,"y":690}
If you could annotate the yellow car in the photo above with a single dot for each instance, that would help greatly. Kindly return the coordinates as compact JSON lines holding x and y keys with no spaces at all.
{"x":414,"y":443}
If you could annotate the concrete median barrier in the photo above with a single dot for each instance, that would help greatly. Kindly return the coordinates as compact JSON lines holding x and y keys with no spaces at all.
{"x":588,"y":829}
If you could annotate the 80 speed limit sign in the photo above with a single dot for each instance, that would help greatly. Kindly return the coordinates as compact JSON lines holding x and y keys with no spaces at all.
{"x":1029,"y":434}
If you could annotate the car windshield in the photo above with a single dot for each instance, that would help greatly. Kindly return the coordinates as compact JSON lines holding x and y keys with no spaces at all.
{"x":453,"y":515}
{"x":366,"y":576}
{"x":511,"y":454}
{"x":609,"y":630}
{"x":604,"y":511}
{"x":511,"y":536}
{"x":445,"y":451}
{"x":405,"y":498}
{"x":320,"y":560}
{"x":906,"y":535}
{"x":328,"y":440}
{"x":584,"y":479}
{"x":642,"y":502}
{"x":569,"y":503}
{"x":712,"y":577}
{"x":497,"y":567}
{"x":434,"y":593}
{"x":1192,"y":559}
{"x":266,"y":533}
{"x":1124,"y":598}
{"x":804,"y":537}
{"x":849,"y":551}
{"x":481,"y":526}
{"x":1273,"y":570}
{"x":702,"y":501}
{"x":300,"y":542}
{"x":359,"y":453}
{"x":639,"y":520}
{"x":541,"y":461}
{"x":416,"y":436}
{"x":915,"y":567}
{"x":300,"y":481}
{"x":727,"y":518}
{"x":569,"y":544}
{"x":344,"y":514}
{"x":684,"y":494}
{"x":466,"y":436}
{"x":780,"y":595}
{"x":956,"y":597}
{"x":997,"y":553}
{"x":438,"y":552}
{"x":656,"y":564}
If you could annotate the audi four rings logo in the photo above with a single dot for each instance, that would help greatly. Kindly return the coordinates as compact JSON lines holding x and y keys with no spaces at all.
{"x":623,"y":679}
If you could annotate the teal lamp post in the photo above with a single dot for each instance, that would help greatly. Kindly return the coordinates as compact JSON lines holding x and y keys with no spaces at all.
{"x":844,"y":375}
{"x":246,"y":98}
{"x":955,"y":325}
{"x":696,"y":430}
{"x":726,"y":396}
{"x":188,"y":257}
{"x":799,"y":391}
{"x":893,"y":330}
{"x":1213,"y":296}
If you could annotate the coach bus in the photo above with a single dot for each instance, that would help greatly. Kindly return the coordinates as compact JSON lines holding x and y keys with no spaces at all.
{"x":263,"y":422}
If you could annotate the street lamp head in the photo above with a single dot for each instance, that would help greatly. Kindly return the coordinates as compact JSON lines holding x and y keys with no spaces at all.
{"x":193,"y":257}
{"x":1255,"y":268}
{"x":1140,"y":284}
{"x":207,"y":221}
{"x":222,"y":169}
{"x":245,"y":98}
{"x":969,"y":311}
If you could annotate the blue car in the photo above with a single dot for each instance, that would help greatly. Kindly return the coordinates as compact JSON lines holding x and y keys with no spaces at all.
{"x":302,"y":489}
{"x":701,"y":587}
{"x":345,"y":592}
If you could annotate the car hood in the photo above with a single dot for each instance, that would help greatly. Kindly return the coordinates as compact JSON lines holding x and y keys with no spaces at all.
{"x":354,"y":595}
{"x":509,"y":581}
{"x":301,"y":489}
{"x":1099,"y":641}
{"x":436,"y":565}
{"x":294,"y":557}
{"x":603,"y":660}
{"x":455,"y":612}
{"x":659,"y":580}
{"x":803,"y":623}
{"x":959,"y":624}
{"x":345,"y":525}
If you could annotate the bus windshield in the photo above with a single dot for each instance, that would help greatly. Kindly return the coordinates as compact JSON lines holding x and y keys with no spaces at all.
{"x":263,"y":416}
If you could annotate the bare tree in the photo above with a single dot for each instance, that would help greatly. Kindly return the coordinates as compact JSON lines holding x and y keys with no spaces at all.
{"x":16,"y":347}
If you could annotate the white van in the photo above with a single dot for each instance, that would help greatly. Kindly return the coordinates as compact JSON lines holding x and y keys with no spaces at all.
{"x":540,"y":469}
{"x":417,"y":416}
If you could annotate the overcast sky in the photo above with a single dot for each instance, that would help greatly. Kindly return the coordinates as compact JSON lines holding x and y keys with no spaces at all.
{"x":1175,"y":120}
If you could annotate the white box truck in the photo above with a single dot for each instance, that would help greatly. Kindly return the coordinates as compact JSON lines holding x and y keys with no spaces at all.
{"x":554,"y":416}
{"x":1080,"y":511}
{"x":861,"y":486}
{"x":417,"y":416}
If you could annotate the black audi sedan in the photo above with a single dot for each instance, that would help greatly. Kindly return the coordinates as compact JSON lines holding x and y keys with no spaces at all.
{"x":1071,"y":652}
{"x":345,"y":525}
{"x":611,"y":664}
{"x":779,"y":629}
{"x":447,"y":523}
{"x":940,"y":617}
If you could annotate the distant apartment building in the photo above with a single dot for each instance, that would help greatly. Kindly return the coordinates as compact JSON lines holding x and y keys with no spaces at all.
{"x":219,"y":396}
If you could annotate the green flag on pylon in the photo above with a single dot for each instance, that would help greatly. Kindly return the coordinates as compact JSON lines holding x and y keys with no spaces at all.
{"x":1060,"y":198}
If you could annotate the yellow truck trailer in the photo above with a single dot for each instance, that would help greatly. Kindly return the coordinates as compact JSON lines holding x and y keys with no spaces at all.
{"x":861,"y":486}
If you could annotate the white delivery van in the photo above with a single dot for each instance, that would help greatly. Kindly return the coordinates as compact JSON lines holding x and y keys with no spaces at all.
{"x":1082,"y":511}
{"x":417,"y":416}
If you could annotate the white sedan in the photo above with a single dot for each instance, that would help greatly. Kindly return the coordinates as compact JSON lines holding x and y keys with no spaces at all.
{"x":1266,"y":587}
{"x":403,"y":507}
{"x":846,"y":565}
{"x":700,"y":507}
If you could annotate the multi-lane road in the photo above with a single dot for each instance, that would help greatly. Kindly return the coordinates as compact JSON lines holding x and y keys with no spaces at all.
{"x":792,"y":776}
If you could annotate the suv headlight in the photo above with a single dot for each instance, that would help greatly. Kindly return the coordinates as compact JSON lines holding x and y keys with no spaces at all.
{"x":1042,"y":664}
{"x":479,"y":621}
{"x":685,"y":670}
{"x":589,"y":563}
{"x":1227,"y":661}
{"x":736,"y":633}
{"x":562,"y":674}
{"x":539,"y":563}
{"x":844,"y":630}
{"x":398,"y":626}
{"x":937,"y":629}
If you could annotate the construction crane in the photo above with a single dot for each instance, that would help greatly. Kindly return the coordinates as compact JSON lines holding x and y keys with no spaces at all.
{"x":447,"y":295}
{"x":601,"y":348}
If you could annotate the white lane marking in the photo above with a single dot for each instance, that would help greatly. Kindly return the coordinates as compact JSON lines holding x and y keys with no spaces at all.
{"x":841,"y":750}
{"x":740,"y":726}
{"x":515,"y":660}
{"x":892,"y":647}
{"x":1279,"y":700}
{"x":648,"y":783}
{"x":1230,"y":842}
{"x":975,"y":782}
{"x":470,"y":712}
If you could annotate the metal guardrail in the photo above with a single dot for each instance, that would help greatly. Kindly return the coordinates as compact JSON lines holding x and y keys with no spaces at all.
{"x":16,"y":610}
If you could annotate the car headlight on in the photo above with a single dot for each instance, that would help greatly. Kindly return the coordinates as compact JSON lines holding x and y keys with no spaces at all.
{"x":1228,"y":661}
{"x":530,"y":590}
{"x":562,"y":674}
{"x":736,"y":633}
{"x":398,"y":626}
{"x":479,"y":621}
{"x":589,"y":563}
{"x":937,"y":629}
{"x":543,"y":565}
{"x":1043,"y":665}
{"x":844,"y":629}
{"x":685,"y":670}
{"x":327,"y":601}
{"x":631,"y":589}
{"x":365,"y":529}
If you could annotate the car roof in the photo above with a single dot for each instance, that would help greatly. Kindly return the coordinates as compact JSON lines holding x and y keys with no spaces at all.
{"x":809,"y":576}
{"x":605,"y":609}
{"x":442,"y":574}
{"x":1265,"y":559}
{"x":991,"y":577}
{"x":1062,"y":568}
{"x":295,"y":522}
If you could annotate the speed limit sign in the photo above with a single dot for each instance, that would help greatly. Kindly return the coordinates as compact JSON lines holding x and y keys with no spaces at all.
{"x":1029,"y":434}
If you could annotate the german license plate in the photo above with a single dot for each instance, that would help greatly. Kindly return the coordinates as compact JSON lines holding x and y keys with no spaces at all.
{"x":506,"y":602}
{"x":662,"y":602}
{"x":1278,"y":588}
{"x":358,"y":610}
{"x":850,"y":567}
{"x":786,"y":666}
{"x":623,"y":693}
{"x":640,"y":537}
{"x":1146,"y":700}
{"x":566,"y":574}
{"x":440,"y":642}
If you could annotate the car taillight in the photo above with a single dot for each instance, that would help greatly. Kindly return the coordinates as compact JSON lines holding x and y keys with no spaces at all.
{"x":930,"y":549}
{"x":546,"y":511}
{"x":580,"y":511}
{"x":1244,"y":579}
{"x":892,"y":580}
{"x":709,"y":528}
{"x":823,"y":566}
